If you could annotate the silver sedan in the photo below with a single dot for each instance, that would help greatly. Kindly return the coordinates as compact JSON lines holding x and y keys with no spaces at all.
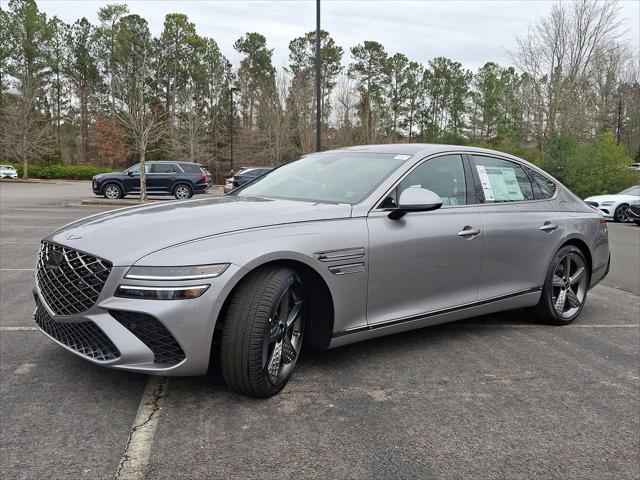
{"x":333,"y":248}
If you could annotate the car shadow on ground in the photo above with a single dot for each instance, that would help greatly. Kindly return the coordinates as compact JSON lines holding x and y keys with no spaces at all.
{"x":397,"y":349}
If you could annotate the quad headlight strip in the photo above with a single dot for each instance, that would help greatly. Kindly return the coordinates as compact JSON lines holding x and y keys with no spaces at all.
{"x":188,"y":272}
{"x":175,"y":274}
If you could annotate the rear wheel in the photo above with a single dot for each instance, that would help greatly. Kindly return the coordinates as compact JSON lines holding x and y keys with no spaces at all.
{"x":565,"y":288}
{"x":113,"y":191}
{"x":621,"y":214}
{"x":263,"y":331}
{"x":182,"y":192}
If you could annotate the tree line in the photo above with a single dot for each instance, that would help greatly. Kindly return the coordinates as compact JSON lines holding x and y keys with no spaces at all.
{"x":112,"y":93}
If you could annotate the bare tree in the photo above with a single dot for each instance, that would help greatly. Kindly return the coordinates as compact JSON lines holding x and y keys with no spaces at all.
{"x":345,"y":101}
{"x":142,"y":121}
{"x":188,"y":140}
{"x":27,"y":134}
{"x":557,"y":56}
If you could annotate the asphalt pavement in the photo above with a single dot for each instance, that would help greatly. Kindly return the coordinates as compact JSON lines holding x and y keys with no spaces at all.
{"x":490,"y":397}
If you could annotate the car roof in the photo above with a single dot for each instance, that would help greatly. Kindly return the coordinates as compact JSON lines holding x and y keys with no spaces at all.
{"x":415,"y":148}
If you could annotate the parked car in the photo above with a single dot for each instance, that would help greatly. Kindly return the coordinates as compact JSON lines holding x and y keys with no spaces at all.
{"x":634,"y":212}
{"x":180,"y":179}
{"x":333,"y":248}
{"x":616,"y":206}
{"x":7,"y":171}
{"x":635,"y":166}
{"x":244,"y":175}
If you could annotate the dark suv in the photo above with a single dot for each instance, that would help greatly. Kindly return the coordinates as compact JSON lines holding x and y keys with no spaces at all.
{"x":180,"y":179}
{"x":244,"y":175}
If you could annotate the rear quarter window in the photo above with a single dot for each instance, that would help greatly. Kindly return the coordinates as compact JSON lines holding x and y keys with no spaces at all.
{"x":543,"y":187}
{"x":190,"y":168}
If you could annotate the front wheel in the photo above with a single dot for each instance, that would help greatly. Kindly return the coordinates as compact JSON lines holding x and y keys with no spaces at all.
{"x":565,"y":288}
{"x":182,"y":192}
{"x":263,"y":331}
{"x":113,"y":191}
{"x":621,"y":215}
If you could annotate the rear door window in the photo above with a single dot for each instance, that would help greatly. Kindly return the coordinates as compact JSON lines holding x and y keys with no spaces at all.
{"x":502,"y":180}
{"x":162,"y":168}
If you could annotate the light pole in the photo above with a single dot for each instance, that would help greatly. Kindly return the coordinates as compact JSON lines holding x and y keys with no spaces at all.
{"x":318,"y":83}
{"x":231,"y":118}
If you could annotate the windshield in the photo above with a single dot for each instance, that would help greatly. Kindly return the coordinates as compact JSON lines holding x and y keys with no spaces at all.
{"x":635,"y":190}
{"x":335,"y":177}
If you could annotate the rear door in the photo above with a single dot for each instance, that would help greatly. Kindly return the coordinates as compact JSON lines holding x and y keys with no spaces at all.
{"x":523,"y":226}
{"x":426,"y":261}
{"x":161,"y":177}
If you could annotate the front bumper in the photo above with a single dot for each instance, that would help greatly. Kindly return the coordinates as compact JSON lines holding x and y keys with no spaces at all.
{"x":190,"y":324}
{"x":9,"y":175}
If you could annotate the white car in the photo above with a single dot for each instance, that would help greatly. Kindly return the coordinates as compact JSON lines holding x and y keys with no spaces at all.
{"x":635,"y":166}
{"x":615,"y":206}
{"x":7,"y":171}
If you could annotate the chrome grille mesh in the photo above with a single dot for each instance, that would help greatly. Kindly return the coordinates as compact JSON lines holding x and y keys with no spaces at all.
{"x":69,"y":281}
{"x":83,"y":337}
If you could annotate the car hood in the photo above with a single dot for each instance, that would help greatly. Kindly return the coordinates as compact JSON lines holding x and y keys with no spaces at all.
{"x":611,"y":198}
{"x":125,"y":235}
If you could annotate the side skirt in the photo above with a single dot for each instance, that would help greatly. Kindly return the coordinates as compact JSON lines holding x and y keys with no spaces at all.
{"x":527,"y":298}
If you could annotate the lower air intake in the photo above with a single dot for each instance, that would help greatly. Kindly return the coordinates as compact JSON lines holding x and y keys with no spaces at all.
{"x":166,"y":349}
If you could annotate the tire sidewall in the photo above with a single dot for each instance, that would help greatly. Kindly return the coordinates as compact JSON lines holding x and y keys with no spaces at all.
{"x":256,"y":327}
{"x":547,"y":290}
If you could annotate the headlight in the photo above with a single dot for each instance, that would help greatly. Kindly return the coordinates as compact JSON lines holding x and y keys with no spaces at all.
{"x":189,"y":272}
{"x":161,"y":293}
{"x":607,"y":203}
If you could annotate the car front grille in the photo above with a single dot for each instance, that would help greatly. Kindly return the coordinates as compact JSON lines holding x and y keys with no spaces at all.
{"x":85,"y":337}
{"x":69,"y":281}
{"x":166,"y":349}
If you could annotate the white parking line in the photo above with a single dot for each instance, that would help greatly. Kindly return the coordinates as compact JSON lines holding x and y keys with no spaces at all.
{"x":134,"y":461}
{"x":504,"y":325}
{"x":17,"y":329}
{"x":17,"y":269}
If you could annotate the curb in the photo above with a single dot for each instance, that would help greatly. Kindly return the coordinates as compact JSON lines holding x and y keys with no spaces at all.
{"x":119,"y":203}
{"x":50,"y":181}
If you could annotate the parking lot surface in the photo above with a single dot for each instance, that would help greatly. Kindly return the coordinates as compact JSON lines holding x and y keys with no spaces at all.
{"x":490,"y":397}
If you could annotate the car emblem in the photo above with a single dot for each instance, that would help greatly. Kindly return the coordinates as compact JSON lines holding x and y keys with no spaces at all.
{"x":71,"y":236}
{"x":53,"y":260}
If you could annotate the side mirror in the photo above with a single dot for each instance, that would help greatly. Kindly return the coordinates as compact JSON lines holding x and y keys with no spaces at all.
{"x":415,"y":199}
{"x":130,"y":173}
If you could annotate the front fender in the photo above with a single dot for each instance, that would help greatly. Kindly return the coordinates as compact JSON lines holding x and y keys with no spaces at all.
{"x":299,"y":242}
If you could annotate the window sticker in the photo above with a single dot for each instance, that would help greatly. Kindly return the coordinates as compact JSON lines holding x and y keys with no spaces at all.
{"x":502,"y":184}
{"x":486,"y":184}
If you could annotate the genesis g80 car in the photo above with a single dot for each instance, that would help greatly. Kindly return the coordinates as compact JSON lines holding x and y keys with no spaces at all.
{"x":333,"y":248}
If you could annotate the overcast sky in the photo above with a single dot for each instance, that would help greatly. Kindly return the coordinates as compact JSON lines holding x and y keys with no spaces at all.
{"x":471,"y":32}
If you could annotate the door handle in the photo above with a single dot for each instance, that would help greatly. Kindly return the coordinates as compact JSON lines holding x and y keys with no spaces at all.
{"x":548,"y":227}
{"x":469,"y":232}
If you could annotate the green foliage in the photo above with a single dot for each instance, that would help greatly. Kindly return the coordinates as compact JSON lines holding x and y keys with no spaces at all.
{"x":61,"y":172}
{"x":594,"y":168}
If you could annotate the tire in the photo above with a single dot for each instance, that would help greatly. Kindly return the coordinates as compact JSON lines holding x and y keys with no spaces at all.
{"x":557,"y":306}
{"x":182,"y":192}
{"x":621,"y":215}
{"x":258,"y":353}
{"x":112,"y":191}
